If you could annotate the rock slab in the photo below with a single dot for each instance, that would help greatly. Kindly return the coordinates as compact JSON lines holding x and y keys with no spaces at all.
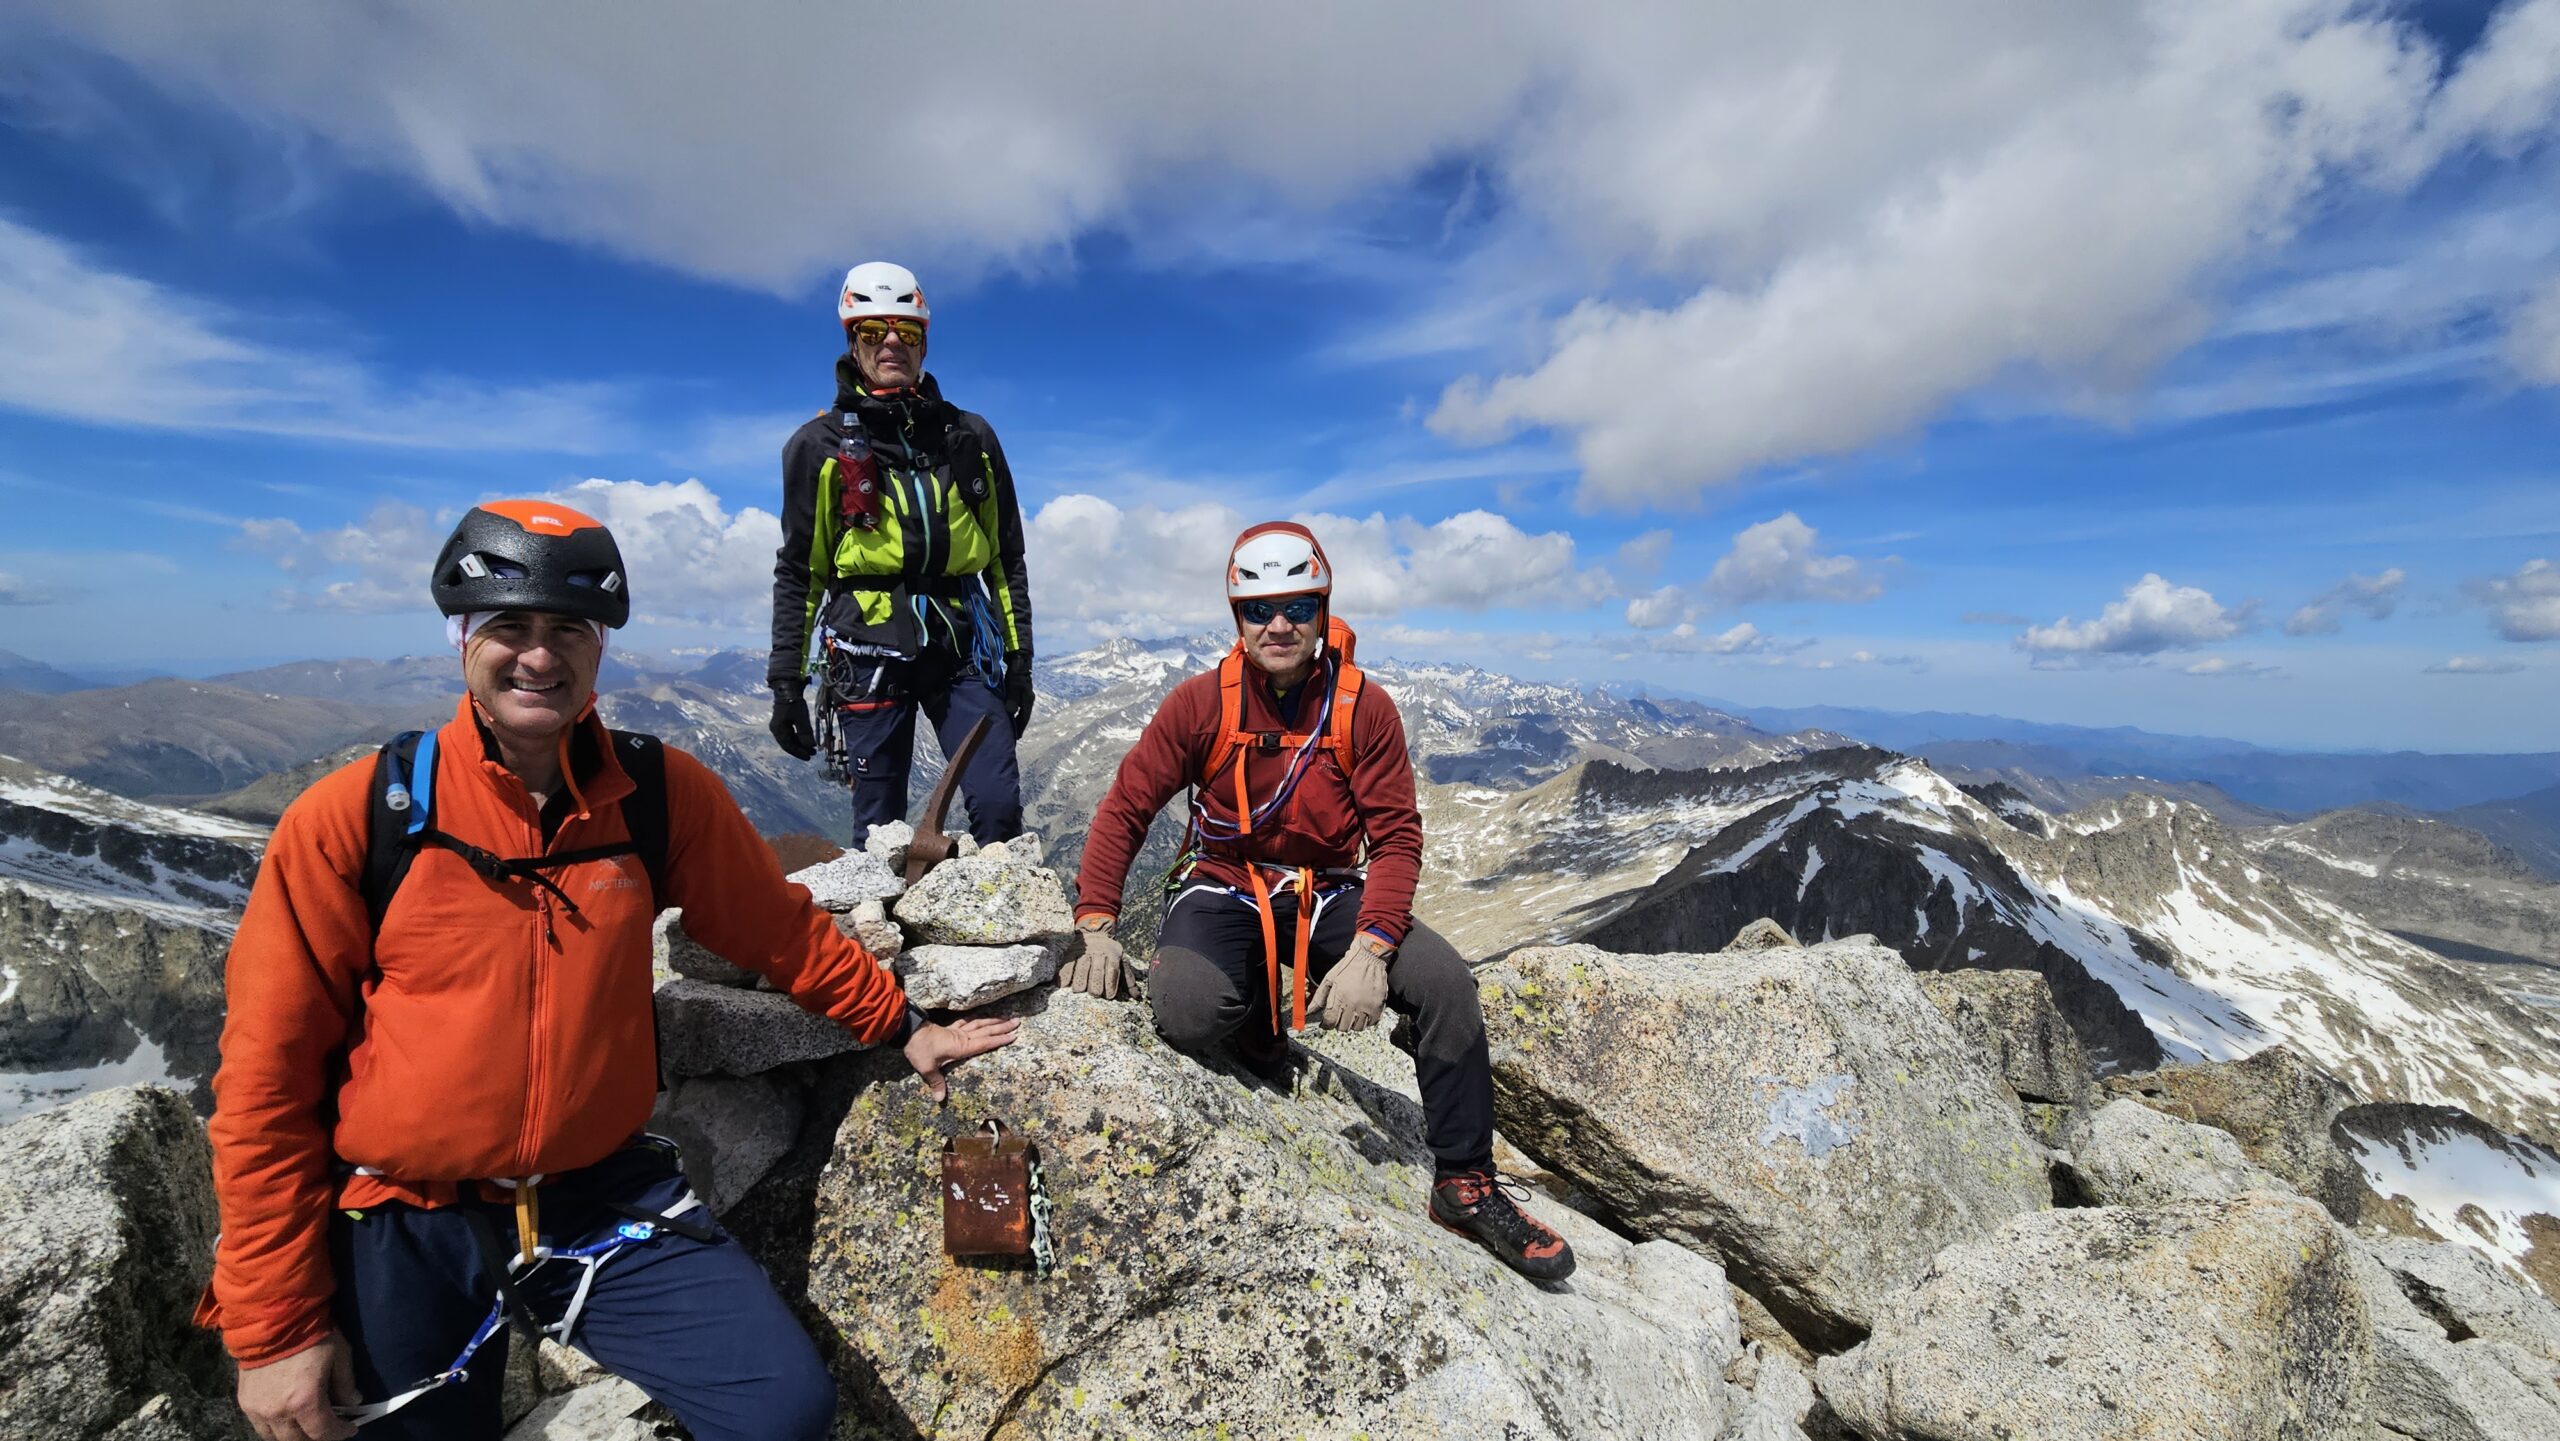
{"x":708,"y":1030}
{"x":2238,"y":1320}
{"x":850,"y":879}
{"x":961,"y":978}
{"x":1805,"y":1114}
{"x":987,"y":899}
{"x":1227,"y":1254}
{"x":729,"y":1129}
{"x":2011,"y":1018}
{"x":106,"y":1240}
{"x":2136,"y":1156}
{"x":688,"y":957}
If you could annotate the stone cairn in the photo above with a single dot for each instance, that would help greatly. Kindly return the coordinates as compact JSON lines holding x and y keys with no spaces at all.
{"x":987,"y":923}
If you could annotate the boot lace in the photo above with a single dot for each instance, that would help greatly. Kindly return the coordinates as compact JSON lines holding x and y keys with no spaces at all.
{"x":1492,"y":1198}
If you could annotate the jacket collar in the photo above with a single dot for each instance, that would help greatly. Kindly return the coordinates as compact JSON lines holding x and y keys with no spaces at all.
{"x":595,"y":773}
{"x":852,"y":394}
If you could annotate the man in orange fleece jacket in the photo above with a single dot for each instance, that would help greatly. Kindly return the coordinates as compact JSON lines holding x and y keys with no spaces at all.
{"x":414,"y":1118}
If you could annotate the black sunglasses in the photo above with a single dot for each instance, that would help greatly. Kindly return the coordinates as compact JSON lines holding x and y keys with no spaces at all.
{"x":1300,"y":609}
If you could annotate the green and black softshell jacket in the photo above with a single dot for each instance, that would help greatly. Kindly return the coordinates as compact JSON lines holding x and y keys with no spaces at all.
{"x":949,"y":534}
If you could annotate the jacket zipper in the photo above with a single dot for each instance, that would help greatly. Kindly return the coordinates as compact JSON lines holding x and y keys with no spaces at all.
{"x":537,"y":1020}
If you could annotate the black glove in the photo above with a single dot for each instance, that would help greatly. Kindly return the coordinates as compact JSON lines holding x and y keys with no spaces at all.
{"x":1017,"y":691}
{"x":790,"y":725}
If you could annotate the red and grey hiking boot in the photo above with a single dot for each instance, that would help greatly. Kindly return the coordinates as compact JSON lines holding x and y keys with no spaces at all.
{"x":1479,"y":1206}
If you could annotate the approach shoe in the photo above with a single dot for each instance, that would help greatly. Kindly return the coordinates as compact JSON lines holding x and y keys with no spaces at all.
{"x":1480,"y":1205}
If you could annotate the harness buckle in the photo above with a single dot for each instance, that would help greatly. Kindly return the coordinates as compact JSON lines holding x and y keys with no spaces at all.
{"x":1267,"y":742}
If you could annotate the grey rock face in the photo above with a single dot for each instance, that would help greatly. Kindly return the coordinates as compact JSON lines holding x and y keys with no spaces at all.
{"x":608,"y":1410}
{"x":960,"y":978}
{"x":2237,"y":1319}
{"x":869,"y":924}
{"x":888,"y":842}
{"x":1229,"y":1255}
{"x":1807,"y":1115}
{"x":730,"y":1129}
{"x":2135,"y":1156}
{"x":2434,"y":1375}
{"x":987,"y":899}
{"x":106,"y":1239}
{"x":1761,"y":935}
{"x":2010,"y":1017}
{"x":682,"y":954}
{"x":707,"y":1030}
{"x":849,"y":880}
{"x":2279,"y":1107}
{"x":93,"y":976}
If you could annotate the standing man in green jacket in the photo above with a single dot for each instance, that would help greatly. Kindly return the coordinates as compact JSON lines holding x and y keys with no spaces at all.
{"x":899,"y":585}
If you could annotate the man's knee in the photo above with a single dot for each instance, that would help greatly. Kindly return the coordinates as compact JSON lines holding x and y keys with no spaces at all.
{"x":803,"y":1401}
{"x":1195,"y":1004}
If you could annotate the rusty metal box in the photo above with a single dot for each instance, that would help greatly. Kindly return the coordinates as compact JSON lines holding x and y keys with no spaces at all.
{"x":986,"y":1194}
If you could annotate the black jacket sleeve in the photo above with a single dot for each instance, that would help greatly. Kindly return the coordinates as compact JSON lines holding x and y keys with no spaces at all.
{"x":802,"y":457}
{"x":1017,"y":582}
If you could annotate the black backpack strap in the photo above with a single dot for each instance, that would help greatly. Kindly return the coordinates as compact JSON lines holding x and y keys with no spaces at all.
{"x":644,"y":811}
{"x":396,"y":803}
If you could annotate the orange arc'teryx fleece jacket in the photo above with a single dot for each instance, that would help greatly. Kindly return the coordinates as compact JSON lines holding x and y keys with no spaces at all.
{"x":487,"y":1032}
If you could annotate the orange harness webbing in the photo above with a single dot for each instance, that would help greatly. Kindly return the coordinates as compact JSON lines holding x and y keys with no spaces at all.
{"x":1233,"y":747}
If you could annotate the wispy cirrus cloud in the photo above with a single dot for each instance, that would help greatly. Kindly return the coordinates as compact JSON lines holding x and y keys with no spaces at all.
{"x":92,"y":344}
{"x":2373,"y":596}
{"x":2474,"y":665}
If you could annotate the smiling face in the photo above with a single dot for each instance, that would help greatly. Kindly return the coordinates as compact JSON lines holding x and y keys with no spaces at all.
{"x":532,"y":674}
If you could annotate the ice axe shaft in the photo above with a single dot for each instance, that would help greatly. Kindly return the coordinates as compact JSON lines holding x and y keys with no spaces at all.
{"x":931,"y":847}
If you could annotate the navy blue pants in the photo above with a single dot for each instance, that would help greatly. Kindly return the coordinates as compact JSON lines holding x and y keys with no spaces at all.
{"x":694,"y":1324}
{"x":880,"y":743}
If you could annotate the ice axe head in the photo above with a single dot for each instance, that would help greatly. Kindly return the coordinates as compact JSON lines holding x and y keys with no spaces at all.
{"x":931,"y":846}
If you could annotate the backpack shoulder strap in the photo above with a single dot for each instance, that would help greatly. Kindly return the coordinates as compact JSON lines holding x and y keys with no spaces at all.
{"x":644,"y":811}
{"x":1347,"y":684}
{"x":1230,"y":735}
{"x":402,"y":798}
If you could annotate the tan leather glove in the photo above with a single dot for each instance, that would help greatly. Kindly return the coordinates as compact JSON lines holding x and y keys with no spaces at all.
{"x":1355,"y":990}
{"x":1100,"y":967}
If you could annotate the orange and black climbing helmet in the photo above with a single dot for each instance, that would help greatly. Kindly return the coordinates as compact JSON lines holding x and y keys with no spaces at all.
{"x":532,"y":555}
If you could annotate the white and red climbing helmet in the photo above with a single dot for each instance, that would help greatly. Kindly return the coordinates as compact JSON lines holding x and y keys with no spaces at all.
{"x":1277,"y":558}
{"x":876,"y":287}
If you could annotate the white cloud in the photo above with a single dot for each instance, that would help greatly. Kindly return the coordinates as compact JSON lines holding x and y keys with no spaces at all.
{"x":1782,"y":560}
{"x":91,"y":344}
{"x":2526,"y":604}
{"x":692,"y":561}
{"x":1645,"y":554}
{"x":1104,"y":570}
{"x":2374,"y":595}
{"x":2152,"y":617}
{"x":15,"y":590}
{"x":2533,"y":336}
{"x":2475,"y":665}
{"x":1880,"y":242}
{"x":1742,"y":639}
{"x":1859,"y":240}
{"x":2223,"y":665}
{"x":1776,"y":561}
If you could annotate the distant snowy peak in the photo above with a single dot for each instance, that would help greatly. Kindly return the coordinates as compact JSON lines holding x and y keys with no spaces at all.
{"x":2136,"y":907}
{"x":79,"y":845}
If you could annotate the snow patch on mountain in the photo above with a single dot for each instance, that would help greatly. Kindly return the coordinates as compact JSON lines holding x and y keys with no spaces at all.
{"x":2465,"y":1186}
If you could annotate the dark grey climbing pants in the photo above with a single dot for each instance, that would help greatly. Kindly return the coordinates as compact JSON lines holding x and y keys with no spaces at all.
{"x":1208,"y":983}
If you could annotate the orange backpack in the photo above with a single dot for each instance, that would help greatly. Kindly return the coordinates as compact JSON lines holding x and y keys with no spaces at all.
{"x":1229,"y":751}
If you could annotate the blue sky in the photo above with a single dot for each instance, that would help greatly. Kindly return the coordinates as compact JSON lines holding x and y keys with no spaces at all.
{"x":2187,"y":366}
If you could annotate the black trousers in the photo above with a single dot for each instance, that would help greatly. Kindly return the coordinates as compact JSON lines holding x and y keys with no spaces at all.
{"x":1208,"y":982}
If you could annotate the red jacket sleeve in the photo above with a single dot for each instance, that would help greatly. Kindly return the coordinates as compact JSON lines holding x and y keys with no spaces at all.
{"x":1382,"y":787}
{"x":290,"y":988}
{"x":1160,"y":766}
{"x":737,"y":902}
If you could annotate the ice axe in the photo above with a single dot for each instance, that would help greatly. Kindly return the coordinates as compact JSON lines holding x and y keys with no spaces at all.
{"x":931,"y":847}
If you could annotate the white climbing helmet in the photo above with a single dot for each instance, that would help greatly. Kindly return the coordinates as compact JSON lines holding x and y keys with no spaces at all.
{"x":1277,"y":558}
{"x":876,"y":287}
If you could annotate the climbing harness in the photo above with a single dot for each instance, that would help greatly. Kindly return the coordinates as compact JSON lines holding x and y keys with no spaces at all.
{"x":637,"y":1228}
{"x":1331,"y":732}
